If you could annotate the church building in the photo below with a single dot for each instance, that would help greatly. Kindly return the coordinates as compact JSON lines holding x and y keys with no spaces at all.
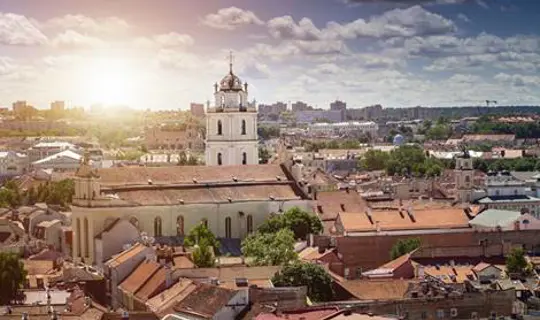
{"x":231,"y":125}
{"x":233,"y":195}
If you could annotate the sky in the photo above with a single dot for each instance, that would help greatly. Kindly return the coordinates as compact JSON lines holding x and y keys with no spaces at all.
{"x":164,"y":54}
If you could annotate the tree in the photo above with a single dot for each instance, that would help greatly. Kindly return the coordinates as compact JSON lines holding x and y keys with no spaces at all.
{"x":374,"y":160}
{"x":300,"y":222}
{"x":12,"y":277}
{"x":201,"y":235}
{"x":516,"y":262}
{"x":313,"y":276}
{"x":270,"y":249}
{"x":404,"y":246}
{"x":203,"y":257}
{"x":264,"y":155}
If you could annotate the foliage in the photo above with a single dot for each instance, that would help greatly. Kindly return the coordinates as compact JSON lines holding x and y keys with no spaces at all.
{"x":12,"y":277}
{"x":10,"y":195}
{"x":270,"y":249}
{"x":404,"y":246}
{"x":53,"y":192}
{"x":185,"y":160}
{"x":130,"y":155}
{"x":518,"y":164}
{"x":314,"y":276}
{"x":315,"y":146}
{"x":516,"y":261}
{"x":521,"y":130}
{"x":264,"y":155}
{"x":300,"y":222}
{"x":202,"y":236}
{"x":268,"y":132}
{"x":440,"y":131}
{"x":203,"y":257}
{"x":405,"y":160}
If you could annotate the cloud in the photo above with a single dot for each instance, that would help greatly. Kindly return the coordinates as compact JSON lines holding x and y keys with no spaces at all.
{"x":410,"y":2}
{"x":257,"y":70}
{"x":518,"y":80}
{"x":231,"y":18}
{"x":83,"y":23}
{"x":73,"y":39}
{"x":175,"y":59}
{"x":166,"y":40}
{"x":409,"y":22}
{"x":18,"y":30}
{"x":7,"y":66}
{"x":463,"y":17}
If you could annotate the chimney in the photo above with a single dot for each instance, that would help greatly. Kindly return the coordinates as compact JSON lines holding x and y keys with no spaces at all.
{"x":168,"y":277}
{"x":377,"y":226}
{"x":125,"y":315}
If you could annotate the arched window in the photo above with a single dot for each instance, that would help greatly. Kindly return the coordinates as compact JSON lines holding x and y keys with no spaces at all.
{"x":157,"y":227}
{"x":244,"y":158}
{"x":228,"y":227}
{"x":134,"y":221}
{"x":79,"y":238}
{"x":219,"y":160}
{"x":86,"y":235}
{"x":249,"y":223}
{"x":180,"y":226}
{"x":205,"y":222}
{"x":243,"y":127}
{"x":219,"y":128}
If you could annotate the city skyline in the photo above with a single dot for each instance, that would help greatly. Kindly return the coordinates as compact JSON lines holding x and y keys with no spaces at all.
{"x":395,"y":53}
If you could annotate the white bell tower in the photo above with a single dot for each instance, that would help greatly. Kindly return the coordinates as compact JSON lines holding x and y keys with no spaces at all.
{"x":231,"y":125}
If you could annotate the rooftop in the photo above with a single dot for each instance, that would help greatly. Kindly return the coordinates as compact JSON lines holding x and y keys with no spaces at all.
{"x":376,"y":289}
{"x":124,"y":256}
{"x":138,"y":278}
{"x":205,"y":300}
{"x":494,"y":217}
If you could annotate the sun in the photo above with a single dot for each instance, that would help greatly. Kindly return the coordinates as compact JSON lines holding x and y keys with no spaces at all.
{"x":109,"y":81}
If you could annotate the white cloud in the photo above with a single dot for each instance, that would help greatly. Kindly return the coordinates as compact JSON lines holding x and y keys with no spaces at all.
{"x":518,"y":80}
{"x":409,"y":22}
{"x":175,"y":59}
{"x":18,"y":30}
{"x":73,"y":39}
{"x":231,"y":18}
{"x":463,"y":17}
{"x":83,"y":23}
{"x":7,"y":66}
{"x":286,"y":28}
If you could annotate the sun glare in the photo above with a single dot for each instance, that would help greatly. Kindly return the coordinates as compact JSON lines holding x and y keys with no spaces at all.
{"x":109,"y":81}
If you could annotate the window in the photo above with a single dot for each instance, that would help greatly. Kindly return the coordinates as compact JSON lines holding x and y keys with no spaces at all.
{"x":440,"y":314}
{"x":227,"y":227}
{"x":219,"y":160}
{"x":423,"y":315}
{"x":453,"y":313}
{"x":180,"y":226}
{"x":249,"y":223}
{"x":79,"y":239}
{"x":243,"y":127}
{"x":497,"y":193}
{"x":467,"y":179}
{"x":157,"y":227}
{"x":219,"y":128}
{"x":86,"y":235}
{"x":244,"y":158}
{"x":515,"y":192}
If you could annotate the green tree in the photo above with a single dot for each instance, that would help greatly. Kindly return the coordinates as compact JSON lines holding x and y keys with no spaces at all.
{"x":12,"y":277}
{"x":203,"y":257}
{"x":404,"y":246}
{"x":313,"y":276}
{"x":202,"y":236}
{"x":374,"y":160}
{"x":516,"y":261}
{"x":300,"y":222}
{"x":264,"y":155}
{"x":270,"y":249}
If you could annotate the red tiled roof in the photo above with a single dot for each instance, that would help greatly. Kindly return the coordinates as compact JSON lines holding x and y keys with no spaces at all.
{"x":376,"y":289}
{"x":449,"y":218}
{"x":313,"y":313}
{"x":152,"y":286}
{"x":139,"y":276}
{"x":126,"y":255}
{"x":205,"y":300}
{"x":186,"y":174}
{"x":330,"y":203}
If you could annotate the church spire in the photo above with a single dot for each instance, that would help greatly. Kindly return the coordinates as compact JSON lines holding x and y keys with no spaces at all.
{"x":230,"y":61}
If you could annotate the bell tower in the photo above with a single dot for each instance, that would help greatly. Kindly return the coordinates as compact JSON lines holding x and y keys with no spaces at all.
{"x":231,"y":124}
{"x":464,"y":173}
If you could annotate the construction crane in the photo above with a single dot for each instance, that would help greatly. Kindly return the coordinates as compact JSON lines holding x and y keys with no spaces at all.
{"x":488,"y":102}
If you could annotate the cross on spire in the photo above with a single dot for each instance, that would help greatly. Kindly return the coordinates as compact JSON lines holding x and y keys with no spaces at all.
{"x":231,"y":60}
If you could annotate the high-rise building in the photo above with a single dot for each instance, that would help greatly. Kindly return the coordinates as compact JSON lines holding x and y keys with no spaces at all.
{"x":300,"y":106}
{"x":231,"y":126}
{"x":197,"y":109}
{"x":19,"y":106}
{"x":338,"y":105}
{"x":57,"y":106}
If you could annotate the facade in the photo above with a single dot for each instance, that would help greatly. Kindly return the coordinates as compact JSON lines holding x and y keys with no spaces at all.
{"x":57,"y":107}
{"x":231,"y":126}
{"x":464,"y":177}
{"x":66,"y":160}
{"x":48,"y":148}
{"x":171,"y":136}
{"x":169,"y":201}
{"x":12,"y":164}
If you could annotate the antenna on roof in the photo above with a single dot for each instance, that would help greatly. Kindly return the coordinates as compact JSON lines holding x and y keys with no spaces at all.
{"x":195,"y":180}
